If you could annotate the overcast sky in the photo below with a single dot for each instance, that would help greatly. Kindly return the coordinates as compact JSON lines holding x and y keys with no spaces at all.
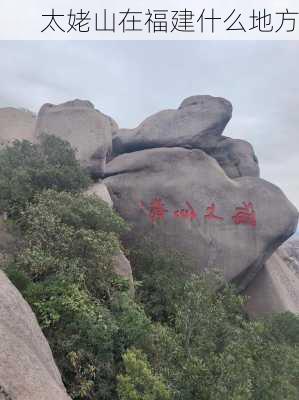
{"x":131,"y":80}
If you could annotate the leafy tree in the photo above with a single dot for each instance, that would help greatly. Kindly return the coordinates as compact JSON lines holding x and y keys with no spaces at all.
{"x":70,"y":235}
{"x":214,"y":352}
{"x":80,"y":332}
{"x":139,"y":381}
{"x":162,"y":276}
{"x":65,"y":271}
{"x":283,"y":328}
{"x":27,"y":168}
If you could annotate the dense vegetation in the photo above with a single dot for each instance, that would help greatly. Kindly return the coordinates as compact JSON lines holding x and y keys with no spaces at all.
{"x":178,"y":339}
{"x":27,"y":168}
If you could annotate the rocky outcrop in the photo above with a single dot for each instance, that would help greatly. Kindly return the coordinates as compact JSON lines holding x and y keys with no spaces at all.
{"x":16,"y":124}
{"x":236,"y":157}
{"x":186,"y":202}
{"x":291,"y":254}
{"x":274,"y":289}
{"x":177,"y":179}
{"x":100,"y":190}
{"x":27,"y":368}
{"x":196,"y":118}
{"x":122,"y":267}
{"x":87,"y":129}
{"x":198,"y":123}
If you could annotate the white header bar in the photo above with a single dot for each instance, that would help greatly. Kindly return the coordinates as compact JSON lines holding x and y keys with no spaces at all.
{"x":149,"y":20}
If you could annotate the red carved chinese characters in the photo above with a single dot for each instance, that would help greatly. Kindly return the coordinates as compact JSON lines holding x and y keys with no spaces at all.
{"x":188,"y":213}
{"x":156,"y":211}
{"x":210,"y":213}
{"x":245,"y":215}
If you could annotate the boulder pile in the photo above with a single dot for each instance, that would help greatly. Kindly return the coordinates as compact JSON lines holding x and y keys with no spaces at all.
{"x":176,"y":178}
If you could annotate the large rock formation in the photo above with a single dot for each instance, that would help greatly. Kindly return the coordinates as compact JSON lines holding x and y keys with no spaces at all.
{"x":198,"y":123}
{"x":291,"y":251}
{"x":27,"y":368}
{"x":275,"y":288}
{"x":196,"y":118}
{"x":100,"y":190}
{"x":87,"y":129}
{"x":16,"y":124}
{"x":184,"y":199}
{"x":176,"y":179}
{"x":235,"y":156}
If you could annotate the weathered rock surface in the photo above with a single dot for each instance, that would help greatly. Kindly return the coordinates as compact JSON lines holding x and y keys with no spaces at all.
{"x":291,"y":248}
{"x":16,"y":124}
{"x":155,"y":189}
{"x":196,"y":118}
{"x":198,"y":123}
{"x":274,"y":289}
{"x":291,"y":254}
{"x":27,"y":368}
{"x":100,"y":190}
{"x":87,"y":129}
{"x":236,"y":157}
{"x":122,"y":267}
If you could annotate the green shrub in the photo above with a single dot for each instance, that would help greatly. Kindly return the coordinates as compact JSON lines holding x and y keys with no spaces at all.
{"x":214,"y":352}
{"x":65,"y":271}
{"x":139,"y":381}
{"x":283,"y":328}
{"x":27,"y":168}
{"x":80,"y":331}
{"x":162,"y":277}
{"x":61,"y":239}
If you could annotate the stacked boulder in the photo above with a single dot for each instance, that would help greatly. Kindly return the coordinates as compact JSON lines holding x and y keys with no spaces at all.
{"x":276,"y":286}
{"x":88,"y":130}
{"x":16,"y":124}
{"x":291,"y":249}
{"x":176,"y":179}
{"x":197,"y":124}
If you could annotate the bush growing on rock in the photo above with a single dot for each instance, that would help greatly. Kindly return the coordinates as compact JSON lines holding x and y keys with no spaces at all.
{"x":64,"y":269}
{"x":213,"y":352}
{"x":162,"y":277}
{"x":70,"y":234}
{"x":139,"y":381}
{"x":27,"y":168}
